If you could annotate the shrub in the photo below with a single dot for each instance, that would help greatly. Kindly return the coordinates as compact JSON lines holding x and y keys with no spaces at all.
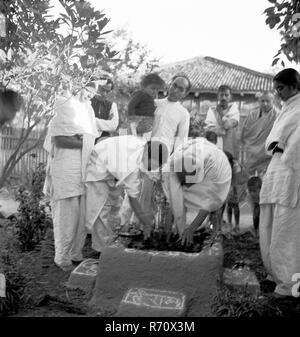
{"x":32,"y":219}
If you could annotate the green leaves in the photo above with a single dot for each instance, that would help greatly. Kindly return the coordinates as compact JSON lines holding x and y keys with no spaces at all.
{"x":273,"y":21}
{"x":32,"y":219}
{"x":281,"y":16}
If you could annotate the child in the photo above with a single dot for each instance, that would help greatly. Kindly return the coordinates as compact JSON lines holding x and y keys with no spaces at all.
{"x":142,"y":106}
{"x":254,"y":186}
{"x":237,"y":191}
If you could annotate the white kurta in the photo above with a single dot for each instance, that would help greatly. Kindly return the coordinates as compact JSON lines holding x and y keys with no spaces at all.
{"x":228,"y":142}
{"x":64,"y":182}
{"x":171,"y":123}
{"x":211,"y":182}
{"x":115,"y":161}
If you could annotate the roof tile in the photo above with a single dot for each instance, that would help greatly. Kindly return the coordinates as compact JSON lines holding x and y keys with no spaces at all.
{"x":208,"y":73}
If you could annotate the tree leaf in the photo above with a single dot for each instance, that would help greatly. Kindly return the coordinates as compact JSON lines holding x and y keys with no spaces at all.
{"x":275,"y":61}
{"x":269,"y":10}
{"x":102,"y":23}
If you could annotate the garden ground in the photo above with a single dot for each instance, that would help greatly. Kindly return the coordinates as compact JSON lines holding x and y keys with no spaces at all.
{"x":39,"y":289}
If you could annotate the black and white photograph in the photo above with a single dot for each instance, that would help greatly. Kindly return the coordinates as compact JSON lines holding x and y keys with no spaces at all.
{"x":149,"y":161}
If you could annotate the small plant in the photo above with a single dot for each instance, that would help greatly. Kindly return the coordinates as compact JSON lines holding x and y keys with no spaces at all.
{"x":32,"y":220}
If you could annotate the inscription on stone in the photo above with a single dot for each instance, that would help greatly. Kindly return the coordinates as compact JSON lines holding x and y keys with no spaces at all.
{"x":153,"y":298}
{"x":88,"y":267}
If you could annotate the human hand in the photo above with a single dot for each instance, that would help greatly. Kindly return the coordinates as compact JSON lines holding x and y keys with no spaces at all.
{"x":187,"y":237}
{"x":148,"y":230}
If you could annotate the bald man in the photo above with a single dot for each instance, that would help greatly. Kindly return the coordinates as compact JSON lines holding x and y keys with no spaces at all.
{"x":255,"y":131}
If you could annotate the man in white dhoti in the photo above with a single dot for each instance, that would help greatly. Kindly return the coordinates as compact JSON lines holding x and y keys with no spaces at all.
{"x":119,"y":161}
{"x":70,"y":140}
{"x":198,"y":183}
{"x":279,"y":197}
{"x":223,"y":120}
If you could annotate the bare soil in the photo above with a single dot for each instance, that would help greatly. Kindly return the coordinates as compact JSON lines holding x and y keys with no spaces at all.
{"x":163,"y":242}
{"x":44,"y":293}
{"x":243,"y":250}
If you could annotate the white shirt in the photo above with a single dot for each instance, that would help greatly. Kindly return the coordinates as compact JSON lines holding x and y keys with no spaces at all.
{"x":118,"y":158}
{"x":171,"y":123}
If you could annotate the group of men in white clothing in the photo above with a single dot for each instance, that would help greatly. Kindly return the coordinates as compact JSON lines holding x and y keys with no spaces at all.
{"x":86,"y":166}
{"x":82,"y":174}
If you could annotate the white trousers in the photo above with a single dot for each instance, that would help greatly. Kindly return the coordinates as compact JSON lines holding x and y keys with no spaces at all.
{"x":69,"y":229}
{"x":102,"y":201}
{"x":279,"y":232}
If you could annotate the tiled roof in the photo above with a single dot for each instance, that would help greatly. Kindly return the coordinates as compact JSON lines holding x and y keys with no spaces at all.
{"x":208,"y":73}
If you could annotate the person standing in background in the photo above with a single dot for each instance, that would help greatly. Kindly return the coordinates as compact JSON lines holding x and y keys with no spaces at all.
{"x":106,"y":112}
{"x":223,"y":120}
{"x":142,"y":105}
{"x":69,"y":142}
{"x":254,"y":133}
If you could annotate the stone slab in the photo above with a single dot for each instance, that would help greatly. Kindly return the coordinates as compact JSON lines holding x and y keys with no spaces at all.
{"x":193,"y":274}
{"x":144,"y":302}
{"x":84,"y":275}
{"x":241,"y":279}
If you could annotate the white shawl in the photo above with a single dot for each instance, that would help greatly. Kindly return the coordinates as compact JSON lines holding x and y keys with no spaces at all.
{"x":212,"y":120}
{"x":71,"y":117}
{"x":286,"y":131}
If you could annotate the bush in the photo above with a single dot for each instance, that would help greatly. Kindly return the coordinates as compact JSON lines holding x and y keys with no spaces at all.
{"x":32,"y":219}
